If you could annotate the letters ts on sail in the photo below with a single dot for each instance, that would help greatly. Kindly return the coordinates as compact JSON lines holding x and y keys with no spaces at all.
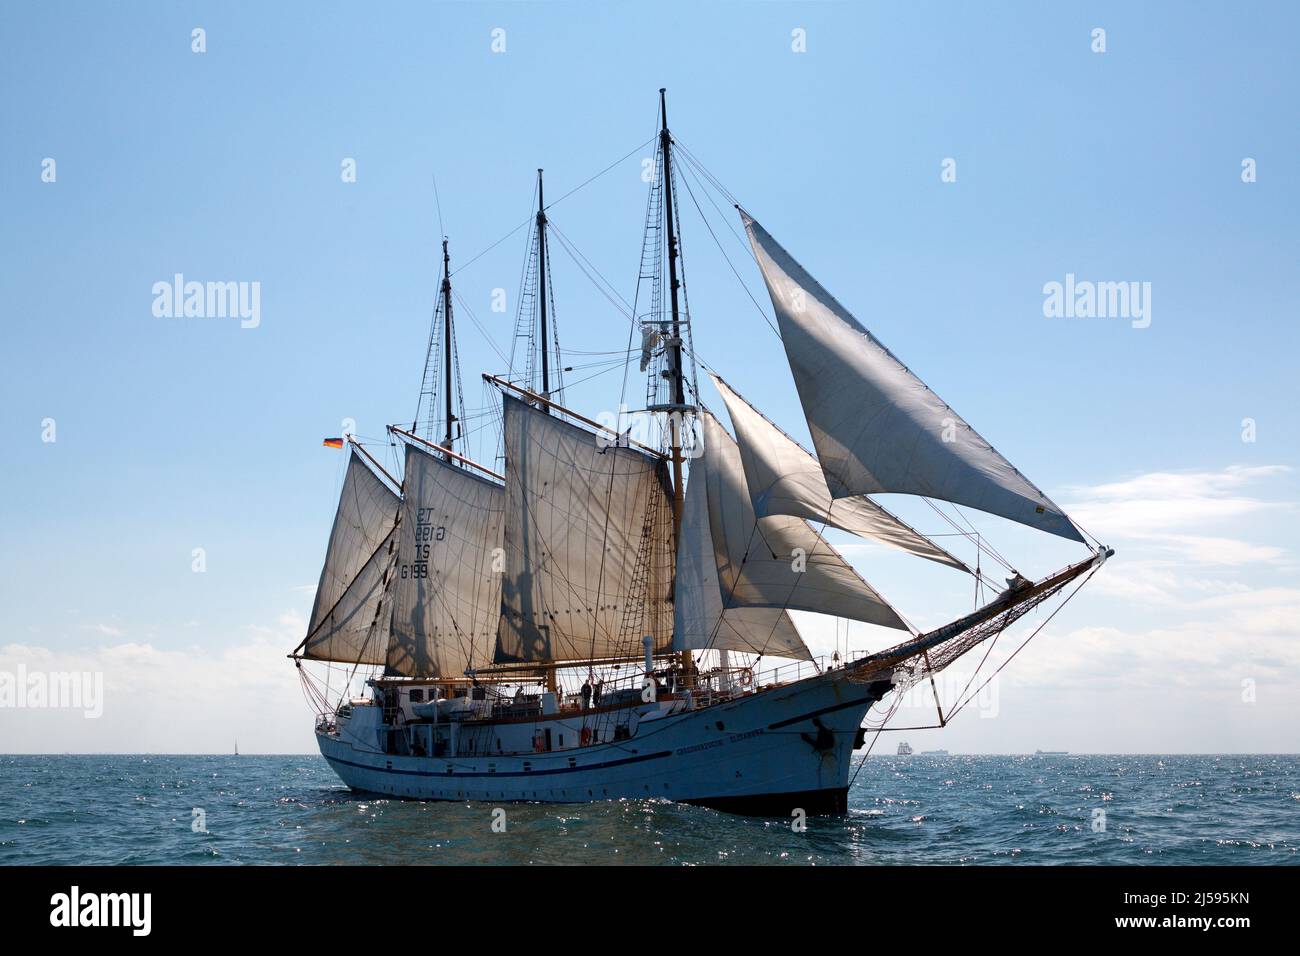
{"x":446,"y":594}
{"x":877,"y":428}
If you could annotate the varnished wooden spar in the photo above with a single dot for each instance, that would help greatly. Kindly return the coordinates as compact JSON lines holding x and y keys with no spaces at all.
{"x":371,"y":458}
{"x":532,"y":396}
{"x":445,"y":451}
{"x":1000,"y":605}
{"x":537,"y":667}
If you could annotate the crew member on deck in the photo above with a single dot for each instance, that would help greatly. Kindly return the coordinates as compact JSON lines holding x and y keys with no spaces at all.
{"x":586,"y":694}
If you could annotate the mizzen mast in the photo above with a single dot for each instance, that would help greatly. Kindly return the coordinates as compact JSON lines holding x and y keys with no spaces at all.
{"x":446,"y":342}
{"x":441,"y":406}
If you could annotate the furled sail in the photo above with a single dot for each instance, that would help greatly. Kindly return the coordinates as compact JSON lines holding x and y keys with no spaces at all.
{"x":777,"y":561}
{"x":785,"y":479}
{"x":700,"y":622}
{"x":447,"y":583}
{"x":875,"y":425}
{"x":588,"y":543}
{"x":343,"y":624}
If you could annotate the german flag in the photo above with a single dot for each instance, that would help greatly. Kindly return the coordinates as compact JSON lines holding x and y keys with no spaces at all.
{"x":333,"y":443}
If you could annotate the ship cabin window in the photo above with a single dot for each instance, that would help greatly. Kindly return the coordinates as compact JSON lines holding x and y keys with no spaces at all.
{"x":460,"y":692}
{"x":417,"y":696}
{"x":561,"y":740}
{"x":480,"y":693}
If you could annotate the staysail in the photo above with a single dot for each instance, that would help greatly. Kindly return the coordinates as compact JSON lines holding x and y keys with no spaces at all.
{"x":343,"y":625}
{"x":876,"y":426}
{"x":777,"y":561}
{"x":785,"y":479}
{"x":446,"y":584}
{"x":700,"y":622}
{"x":588,"y":529}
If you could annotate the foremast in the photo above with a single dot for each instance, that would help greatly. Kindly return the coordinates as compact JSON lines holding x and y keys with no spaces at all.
{"x":677,"y":409}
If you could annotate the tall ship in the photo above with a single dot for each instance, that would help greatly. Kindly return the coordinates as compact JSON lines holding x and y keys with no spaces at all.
{"x":594,"y":616}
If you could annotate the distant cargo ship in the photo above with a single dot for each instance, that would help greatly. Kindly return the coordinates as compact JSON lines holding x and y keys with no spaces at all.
{"x":1051,"y":753}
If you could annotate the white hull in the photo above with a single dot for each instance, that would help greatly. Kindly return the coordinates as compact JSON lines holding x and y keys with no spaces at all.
{"x":770,"y":752}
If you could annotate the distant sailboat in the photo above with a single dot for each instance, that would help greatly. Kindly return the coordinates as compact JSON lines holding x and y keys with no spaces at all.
{"x":904,"y":749}
{"x":583,"y":624}
{"x":236,"y":748}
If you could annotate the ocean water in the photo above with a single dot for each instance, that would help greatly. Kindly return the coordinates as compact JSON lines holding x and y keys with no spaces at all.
{"x":921,"y":809}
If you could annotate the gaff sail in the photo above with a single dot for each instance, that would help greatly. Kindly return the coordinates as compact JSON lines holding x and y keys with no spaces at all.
{"x":581,"y":513}
{"x":345,"y":625}
{"x":446,"y":583}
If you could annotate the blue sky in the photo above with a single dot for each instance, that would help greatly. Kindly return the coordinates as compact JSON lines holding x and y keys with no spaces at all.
{"x":174,"y":434}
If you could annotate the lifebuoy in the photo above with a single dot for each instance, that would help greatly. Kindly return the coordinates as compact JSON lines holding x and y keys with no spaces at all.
{"x":539,"y":742}
{"x":585,"y":736}
{"x":746,"y":677}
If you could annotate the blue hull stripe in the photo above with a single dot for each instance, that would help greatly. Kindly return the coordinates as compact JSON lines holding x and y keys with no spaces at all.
{"x":520,"y":773}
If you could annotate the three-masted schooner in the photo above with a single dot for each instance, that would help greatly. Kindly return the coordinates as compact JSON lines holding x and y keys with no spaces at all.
{"x":588,"y":624}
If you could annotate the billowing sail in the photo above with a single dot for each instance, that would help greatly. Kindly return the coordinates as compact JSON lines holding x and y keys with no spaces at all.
{"x":699,"y":620}
{"x":777,"y":561}
{"x":447,"y":582}
{"x":355,"y":629}
{"x":355,"y":561}
{"x":785,"y":479}
{"x":875,"y":425}
{"x":588,"y":543}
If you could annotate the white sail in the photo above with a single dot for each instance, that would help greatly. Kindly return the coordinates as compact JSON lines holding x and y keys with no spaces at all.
{"x":355,"y":629}
{"x":580,"y":514}
{"x":785,"y":479}
{"x":777,"y":561}
{"x":446,"y":590}
{"x":875,"y":425}
{"x":700,"y":622}
{"x":366,"y":513}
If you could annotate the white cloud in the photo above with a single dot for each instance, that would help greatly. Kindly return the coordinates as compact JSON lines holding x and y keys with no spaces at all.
{"x":192,"y":700}
{"x":106,"y":629}
{"x":1171,"y":513}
